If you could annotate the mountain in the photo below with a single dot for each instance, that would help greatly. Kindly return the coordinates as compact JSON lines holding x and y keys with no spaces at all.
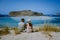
{"x":1,"y":15}
{"x":53,"y":15}
{"x":25,"y":13}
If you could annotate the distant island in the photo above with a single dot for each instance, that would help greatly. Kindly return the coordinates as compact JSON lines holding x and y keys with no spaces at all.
{"x":25,"y":13}
{"x":2,"y":15}
{"x":54,"y":15}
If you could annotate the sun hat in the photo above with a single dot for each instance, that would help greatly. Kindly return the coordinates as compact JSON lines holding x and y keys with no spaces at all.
{"x":29,"y":20}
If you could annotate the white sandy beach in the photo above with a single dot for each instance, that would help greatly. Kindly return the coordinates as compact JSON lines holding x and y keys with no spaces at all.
{"x":32,"y":36}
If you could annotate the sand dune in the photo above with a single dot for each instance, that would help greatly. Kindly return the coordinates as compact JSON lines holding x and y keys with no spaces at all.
{"x":32,"y":36}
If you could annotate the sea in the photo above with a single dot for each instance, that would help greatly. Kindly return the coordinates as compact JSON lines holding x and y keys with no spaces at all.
{"x":35,"y":20}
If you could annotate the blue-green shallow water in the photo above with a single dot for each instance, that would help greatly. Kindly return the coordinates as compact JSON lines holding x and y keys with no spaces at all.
{"x":13,"y":21}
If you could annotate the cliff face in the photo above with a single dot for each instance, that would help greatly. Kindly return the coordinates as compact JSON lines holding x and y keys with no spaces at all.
{"x":25,"y":13}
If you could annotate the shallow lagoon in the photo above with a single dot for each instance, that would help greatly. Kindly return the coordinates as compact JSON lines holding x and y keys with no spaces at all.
{"x":36,"y":20}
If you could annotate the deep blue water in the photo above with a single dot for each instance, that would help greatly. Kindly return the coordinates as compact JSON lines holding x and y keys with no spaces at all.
{"x":13,"y":21}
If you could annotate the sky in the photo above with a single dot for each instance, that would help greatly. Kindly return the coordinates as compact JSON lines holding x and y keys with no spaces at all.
{"x":45,"y":6}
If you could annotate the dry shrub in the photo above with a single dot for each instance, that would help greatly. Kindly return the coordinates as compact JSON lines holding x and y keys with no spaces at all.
{"x":47,"y":28}
{"x":16,"y":30}
{"x":50,"y":28}
{"x":4,"y":31}
{"x":35,"y":30}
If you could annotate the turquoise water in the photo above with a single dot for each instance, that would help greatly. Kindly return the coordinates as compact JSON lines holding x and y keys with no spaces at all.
{"x":36,"y":20}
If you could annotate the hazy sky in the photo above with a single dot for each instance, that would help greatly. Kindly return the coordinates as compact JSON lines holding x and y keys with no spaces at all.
{"x":44,"y":6}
